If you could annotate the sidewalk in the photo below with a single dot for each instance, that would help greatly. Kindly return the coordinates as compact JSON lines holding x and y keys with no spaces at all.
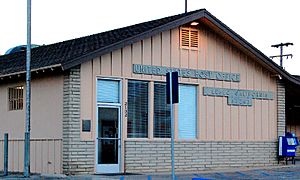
{"x":273,"y":172}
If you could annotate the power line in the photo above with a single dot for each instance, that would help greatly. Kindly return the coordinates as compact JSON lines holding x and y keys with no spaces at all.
{"x":281,"y":45}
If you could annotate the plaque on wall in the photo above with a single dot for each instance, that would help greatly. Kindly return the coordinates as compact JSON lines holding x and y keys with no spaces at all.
{"x":86,"y":125}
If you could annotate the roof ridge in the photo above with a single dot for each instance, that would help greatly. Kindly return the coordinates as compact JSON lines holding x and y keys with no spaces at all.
{"x":190,"y":12}
{"x":72,"y":52}
{"x":108,"y":31}
{"x":176,"y":21}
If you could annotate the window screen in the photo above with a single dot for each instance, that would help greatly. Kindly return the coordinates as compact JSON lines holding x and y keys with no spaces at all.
{"x":108,"y":91}
{"x":137,"y":123}
{"x":162,"y":115}
{"x":187,"y":112}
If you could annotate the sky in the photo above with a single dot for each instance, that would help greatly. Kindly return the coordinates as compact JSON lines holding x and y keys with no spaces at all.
{"x":260,"y":22}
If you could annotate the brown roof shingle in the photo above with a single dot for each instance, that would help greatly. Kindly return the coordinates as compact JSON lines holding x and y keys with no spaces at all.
{"x":65,"y":52}
{"x":73,"y":52}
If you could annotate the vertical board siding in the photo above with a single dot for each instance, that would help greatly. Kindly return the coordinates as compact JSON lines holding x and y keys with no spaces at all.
{"x":273,"y":109}
{"x":250,"y":111}
{"x":216,"y":119}
{"x":96,"y":71}
{"x":210,"y":101}
{"x":156,"y":52}
{"x":226,"y":108}
{"x":184,"y":58}
{"x":166,"y":48}
{"x":45,"y":155}
{"x":127,"y":61}
{"x":106,"y":65}
{"x":86,"y":91}
{"x":117,"y":63}
{"x":175,"y":51}
{"x":234,"y":66}
{"x":265,"y":108}
{"x":146,"y":54}
{"x":193,"y":64}
{"x":202,"y":99}
{"x":257,"y":103}
{"x":243,"y":109}
{"x":136,"y":56}
{"x":219,"y":101}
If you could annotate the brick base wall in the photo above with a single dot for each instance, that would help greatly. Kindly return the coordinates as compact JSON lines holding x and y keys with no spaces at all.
{"x":281,"y":121}
{"x":155,"y":156}
{"x":78,"y":155}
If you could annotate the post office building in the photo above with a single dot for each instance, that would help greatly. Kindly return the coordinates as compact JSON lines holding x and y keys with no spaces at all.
{"x":98,"y":102}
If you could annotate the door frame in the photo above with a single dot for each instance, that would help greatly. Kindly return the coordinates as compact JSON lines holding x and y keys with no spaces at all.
{"x":109,"y":169}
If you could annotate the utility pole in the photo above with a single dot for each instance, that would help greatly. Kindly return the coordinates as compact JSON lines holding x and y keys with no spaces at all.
{"x":28,"y":95}
{"x":185,"y":8}
{"x":281,"y":45}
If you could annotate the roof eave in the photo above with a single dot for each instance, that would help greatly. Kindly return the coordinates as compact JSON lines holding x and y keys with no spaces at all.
{"x":32,"y":70}
{"x":198,"y":15}
{"x":131,"y":40}
{"x":251,"y":48}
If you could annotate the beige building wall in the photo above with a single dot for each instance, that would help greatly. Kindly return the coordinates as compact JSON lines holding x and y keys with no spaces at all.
{"x":46,"y":109}
{"x":216,"y":119}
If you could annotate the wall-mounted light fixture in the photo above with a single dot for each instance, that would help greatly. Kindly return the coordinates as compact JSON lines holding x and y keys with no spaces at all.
{"x":277,"y":75}
{"x":194,"y":23}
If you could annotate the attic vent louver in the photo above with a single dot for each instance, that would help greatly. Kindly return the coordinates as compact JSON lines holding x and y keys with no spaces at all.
{"x":194,"y":38}
{"x":185,"y":38}
{"x":189,"y":38}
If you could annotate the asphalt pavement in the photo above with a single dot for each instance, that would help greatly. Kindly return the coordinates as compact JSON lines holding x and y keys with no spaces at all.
{"x":289,"y":172}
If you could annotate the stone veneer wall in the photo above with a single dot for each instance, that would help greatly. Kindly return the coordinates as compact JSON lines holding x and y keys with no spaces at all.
{"x":280,"y":108}
{"x":78,"y":155}
{"x":155,"y":155}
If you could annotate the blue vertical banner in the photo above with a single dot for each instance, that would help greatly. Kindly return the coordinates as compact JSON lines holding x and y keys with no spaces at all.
{"x":175,"y":88}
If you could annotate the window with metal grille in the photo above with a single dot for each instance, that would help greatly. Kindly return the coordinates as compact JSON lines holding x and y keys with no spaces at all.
{"x":15,"y":98}
{"x":137,"y":123}
{"x":162,"y":113}
{"x":189,"y":38}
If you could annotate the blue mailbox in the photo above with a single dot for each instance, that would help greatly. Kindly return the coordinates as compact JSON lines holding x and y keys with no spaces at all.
{"x":288,"y":146}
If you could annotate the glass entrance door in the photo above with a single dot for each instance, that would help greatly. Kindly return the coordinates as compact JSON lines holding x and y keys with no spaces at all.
{"x":108,"y":140}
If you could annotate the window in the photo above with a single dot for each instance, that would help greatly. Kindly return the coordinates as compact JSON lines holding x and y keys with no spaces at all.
{"x":189,"y":38}
{"x":15,"y":98}
{"x":108,"y":91}
{"x":162,"y":114}
{"x":187,"y":112}
{"x":137,"y":123}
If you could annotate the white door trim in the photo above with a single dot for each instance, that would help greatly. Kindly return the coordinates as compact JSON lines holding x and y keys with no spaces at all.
{"x":109,"y":168}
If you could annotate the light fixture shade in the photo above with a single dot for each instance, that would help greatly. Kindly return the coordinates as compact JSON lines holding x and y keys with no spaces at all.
{"x":194,"y":23}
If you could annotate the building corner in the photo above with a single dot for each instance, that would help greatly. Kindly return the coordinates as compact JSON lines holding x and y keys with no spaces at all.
{"x":281,"y":118}
{"x":78,"y":155}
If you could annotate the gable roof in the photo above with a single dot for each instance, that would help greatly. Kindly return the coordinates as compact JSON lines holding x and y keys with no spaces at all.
{"x":297,"y":77}
{"x":68,"y":54}
{"x":72,"y":52}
